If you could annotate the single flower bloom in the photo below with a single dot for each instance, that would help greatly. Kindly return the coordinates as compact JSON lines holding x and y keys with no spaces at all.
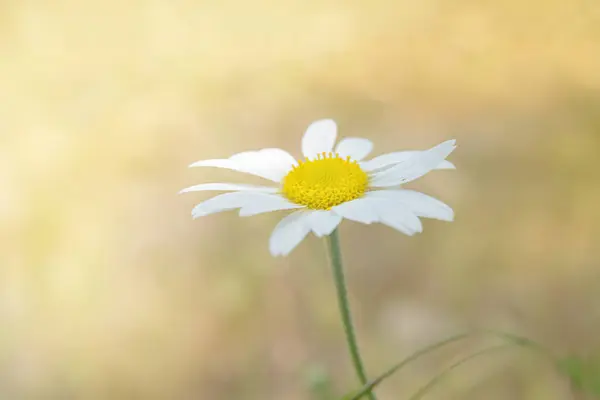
{"x":328,"y":185}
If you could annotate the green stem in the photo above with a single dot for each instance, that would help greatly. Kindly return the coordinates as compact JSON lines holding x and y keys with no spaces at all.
{"x":335,"y":257}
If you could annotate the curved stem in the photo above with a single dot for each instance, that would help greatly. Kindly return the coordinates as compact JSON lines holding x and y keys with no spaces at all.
{"x":335,"y":257}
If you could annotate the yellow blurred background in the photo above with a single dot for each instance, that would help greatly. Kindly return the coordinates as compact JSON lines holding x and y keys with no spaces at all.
{"x":108,"y":289}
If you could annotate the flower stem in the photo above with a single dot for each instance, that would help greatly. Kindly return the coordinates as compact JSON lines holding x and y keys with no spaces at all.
{"x":335,"y":257}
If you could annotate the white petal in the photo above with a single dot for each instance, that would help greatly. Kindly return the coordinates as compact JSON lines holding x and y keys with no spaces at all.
{"x":229,"y":186}
{"x":418,"y":203}
{"x":272,"y":164}
{"x":228,"y":201}
{"x":390,"y":159}
{"x":414,"y":167}
{"x":395,"y":216}
{"x":446,"y":165}
{"x":323,"y":222}
{"x":402,"y":221}
{"x":319,"y":137}
{"x":359,"y":210}
{"x":288,"y":233}
{"x":268,"y":204}
{"x":356,"y":148}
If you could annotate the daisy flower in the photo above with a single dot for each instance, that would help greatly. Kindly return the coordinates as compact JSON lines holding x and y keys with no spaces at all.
{"x":329,"y":184}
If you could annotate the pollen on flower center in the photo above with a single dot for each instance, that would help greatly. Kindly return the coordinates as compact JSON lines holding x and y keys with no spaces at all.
{"x":325,"y":182}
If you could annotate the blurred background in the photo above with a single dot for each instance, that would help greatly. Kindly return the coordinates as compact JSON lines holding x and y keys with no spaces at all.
{"x":109,"y":290}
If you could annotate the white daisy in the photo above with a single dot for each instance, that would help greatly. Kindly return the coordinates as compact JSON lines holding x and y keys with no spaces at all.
{"x":329,"y":185}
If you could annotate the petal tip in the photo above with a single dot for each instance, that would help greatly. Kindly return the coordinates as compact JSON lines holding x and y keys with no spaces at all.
{"x":244,"y":213}
{"x":275,"y":252}
{"x":326,"y":125}
{"x":448,"y":144}
{"x":319,"y":234}
{"x":328,"y":121}
{"x":195,"y":164}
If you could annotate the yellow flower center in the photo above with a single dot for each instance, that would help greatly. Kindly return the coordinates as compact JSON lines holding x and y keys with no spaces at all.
{"x":325,"y":182}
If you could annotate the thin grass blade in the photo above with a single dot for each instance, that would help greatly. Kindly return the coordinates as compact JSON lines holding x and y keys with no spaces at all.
{"x":436,"y":379}
{"x":373,"y":383}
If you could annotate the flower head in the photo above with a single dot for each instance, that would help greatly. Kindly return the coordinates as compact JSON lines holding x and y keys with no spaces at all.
{"x":325,"y":182}
{"x":329,"y":184}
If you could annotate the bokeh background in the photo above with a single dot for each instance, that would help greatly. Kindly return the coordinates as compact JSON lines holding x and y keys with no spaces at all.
{"x":108,"y":289}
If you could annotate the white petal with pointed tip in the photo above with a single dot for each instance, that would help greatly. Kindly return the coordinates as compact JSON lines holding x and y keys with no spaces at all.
{"x":323,"y":222}
{"x":228,"y":187}
{"x":397,"y":217}
{"x":289,"y":232}
{"x":446,"y":165}
{"x":272,"y":164}
{"x":390,"y":159}
{"x":356,"y":148}
{"x":414,"y":167}
{"x":319,"y":138}
{"x":228,"y":201}
{"x":268,"y":204}
{"x":420,"y":204}
{"x":359,"y":210}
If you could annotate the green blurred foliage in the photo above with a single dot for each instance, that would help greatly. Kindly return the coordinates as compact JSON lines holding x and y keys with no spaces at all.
{"x":583,"y":373}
